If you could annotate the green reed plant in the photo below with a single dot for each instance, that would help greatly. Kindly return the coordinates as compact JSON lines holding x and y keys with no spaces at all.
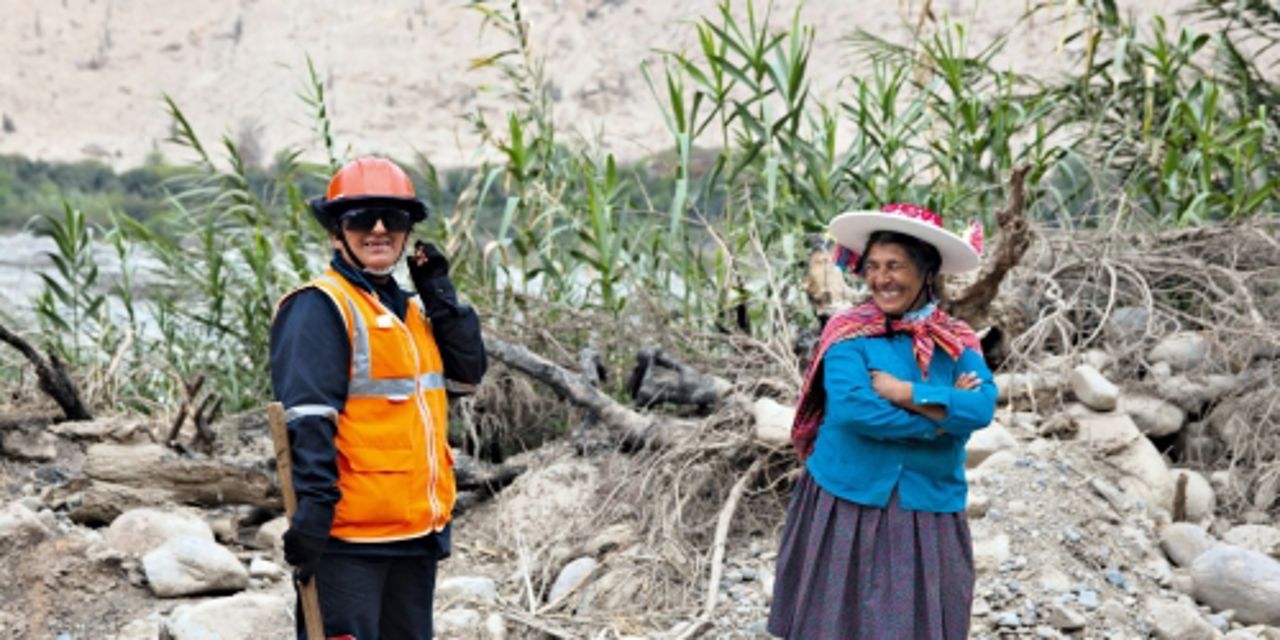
{"x":71,"y":306}
{"x":1182,"y":120}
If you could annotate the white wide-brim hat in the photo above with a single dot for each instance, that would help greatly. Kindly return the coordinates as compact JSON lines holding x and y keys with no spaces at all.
{"x":852,"y":229}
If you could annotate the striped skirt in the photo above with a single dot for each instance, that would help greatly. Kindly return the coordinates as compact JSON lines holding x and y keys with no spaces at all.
{"x":851,"y":571}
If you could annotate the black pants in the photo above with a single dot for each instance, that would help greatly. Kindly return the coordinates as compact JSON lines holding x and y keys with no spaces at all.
{"x":375,"y":597}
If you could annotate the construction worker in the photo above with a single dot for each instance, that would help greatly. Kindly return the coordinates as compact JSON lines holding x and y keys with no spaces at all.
{"x":363,"y":369}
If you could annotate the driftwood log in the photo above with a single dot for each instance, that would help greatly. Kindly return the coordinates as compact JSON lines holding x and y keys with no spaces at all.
{"x":772,"y":420}
{"x":660,"y":378}
{"x":119,"y":477}
{"x":634,"y":427}
{"x":52,"y":376}
{"x":478,"y":480}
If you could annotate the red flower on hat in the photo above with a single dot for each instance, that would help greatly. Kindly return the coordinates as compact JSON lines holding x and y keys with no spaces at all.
{"x":975,"y":236}
{"x":914,"y":211}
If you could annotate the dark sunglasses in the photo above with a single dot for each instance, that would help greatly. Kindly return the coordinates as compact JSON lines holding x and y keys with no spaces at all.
{"x":364,"y":220}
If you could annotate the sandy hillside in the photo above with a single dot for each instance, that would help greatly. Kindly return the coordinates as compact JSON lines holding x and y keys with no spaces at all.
{"x":84,"y":78}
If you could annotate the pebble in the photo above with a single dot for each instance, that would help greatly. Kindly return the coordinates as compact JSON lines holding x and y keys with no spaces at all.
{"x":1071,"y":534}
{"x":1088,"y":598}
{"x":1008,"y":619}
{"x":748,"y":574}
{"x":1117,"y":579}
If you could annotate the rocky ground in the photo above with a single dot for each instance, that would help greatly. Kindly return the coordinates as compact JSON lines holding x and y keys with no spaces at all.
{"x":1072,"y":511}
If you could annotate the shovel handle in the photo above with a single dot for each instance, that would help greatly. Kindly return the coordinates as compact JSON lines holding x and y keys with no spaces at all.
{"x":284,"y":469}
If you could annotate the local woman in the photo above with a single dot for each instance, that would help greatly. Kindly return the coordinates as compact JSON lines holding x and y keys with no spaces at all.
{"x":876,"y":543}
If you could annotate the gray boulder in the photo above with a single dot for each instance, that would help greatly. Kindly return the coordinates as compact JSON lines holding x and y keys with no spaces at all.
{"x":1178,"y":621}
{"x":1255,"y":537}
{"x":1154,"y":417}
{"x":188,"y":565}
{"x":20,"y":526}
{"x":570,"y":576}
{"x":139,"y":531}
{"x":1183,"y":542}
{"x":246,"y":616}
{"x":1182,"y":351}
{"x":1093,"y":388}
{"x":1248,"y":582}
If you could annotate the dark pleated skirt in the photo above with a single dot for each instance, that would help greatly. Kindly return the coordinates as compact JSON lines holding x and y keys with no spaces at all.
{"x":851,"y":571}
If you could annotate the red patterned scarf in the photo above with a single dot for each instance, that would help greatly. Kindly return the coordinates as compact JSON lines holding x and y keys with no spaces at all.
{"x":865,"y":321}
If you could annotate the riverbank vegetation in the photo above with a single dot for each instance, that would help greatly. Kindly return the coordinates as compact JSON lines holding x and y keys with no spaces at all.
{"x":1153,"y":128}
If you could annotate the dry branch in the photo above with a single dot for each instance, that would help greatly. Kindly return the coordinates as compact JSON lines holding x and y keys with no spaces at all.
{"x":636,"y":427}
{"x":1015,"y":236}
{"x":53,"y":377}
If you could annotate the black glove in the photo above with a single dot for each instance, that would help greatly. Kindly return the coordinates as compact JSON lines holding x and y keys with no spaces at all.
{"x":303,"y":551}
{"x":427,"y":262}
{"x":429,"y":269}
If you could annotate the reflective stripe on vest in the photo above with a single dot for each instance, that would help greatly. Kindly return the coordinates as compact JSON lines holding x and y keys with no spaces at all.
{"x":362,"y":381}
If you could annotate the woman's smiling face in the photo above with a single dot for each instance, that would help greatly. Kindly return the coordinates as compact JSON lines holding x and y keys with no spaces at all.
{"x":377,"y":249}
{"x":893,"y":278}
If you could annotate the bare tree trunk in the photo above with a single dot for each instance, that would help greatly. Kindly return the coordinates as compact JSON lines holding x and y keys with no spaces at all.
{"x":53,"y":378}
{"x":973,"y":304}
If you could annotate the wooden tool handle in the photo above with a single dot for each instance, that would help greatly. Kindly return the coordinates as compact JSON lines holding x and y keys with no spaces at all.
{"x":284,"y":469}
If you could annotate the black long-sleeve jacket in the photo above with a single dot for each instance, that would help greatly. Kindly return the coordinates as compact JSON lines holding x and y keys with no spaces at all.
{"x":310,"y":360}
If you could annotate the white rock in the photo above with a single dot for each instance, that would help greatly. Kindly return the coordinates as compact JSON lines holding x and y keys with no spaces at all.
{"x":495,"y":627}
{"x":1146,"y":468}
{"x":1153,"y":416}
{"x":263,"y":568}
{"x":39,"y":446}
{"x":1193,"y":394}
{"x":989,"y":553}
{"x":246,"y":616}
{"x":984,"y":442}
{"x":1178,"y":621}
{"x":1053,"y":580}
{"x":1247,"y":582}
{"x":1255,"y":537}
{"x":20,"y":526}
{"x":1182,"y":351}
{"x":773,"y":420}
{"x":1098,"y":359}
{"x":189,"y":565}
{"x":1093,"y":388}
{"x":271,"y":534}
{"x":1183,"y":542}
{"x":1109,"y":431}
{"x":139,"y":531}
{"x":469,"y":588}
{"x":570,"y":576}
{"x":457,"y":622}
{"x":1200,"y":499}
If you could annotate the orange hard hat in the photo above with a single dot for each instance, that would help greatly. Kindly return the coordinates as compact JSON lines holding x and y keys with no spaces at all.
{"x":368,"y":182}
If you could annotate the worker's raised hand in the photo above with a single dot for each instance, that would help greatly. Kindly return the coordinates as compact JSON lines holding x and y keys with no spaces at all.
{"x":427,"y":261}
{"x":304,"y":552}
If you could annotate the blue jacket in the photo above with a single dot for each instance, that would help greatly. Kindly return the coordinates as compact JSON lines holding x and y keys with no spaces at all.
{"x":867,"y":446}
{"x":310,"y":359}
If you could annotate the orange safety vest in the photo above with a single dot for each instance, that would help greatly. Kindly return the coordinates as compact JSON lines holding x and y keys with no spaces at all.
{"x":395,"y":468}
